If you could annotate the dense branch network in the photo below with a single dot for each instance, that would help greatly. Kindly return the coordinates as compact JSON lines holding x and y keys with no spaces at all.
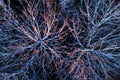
{"x":78,"y":41}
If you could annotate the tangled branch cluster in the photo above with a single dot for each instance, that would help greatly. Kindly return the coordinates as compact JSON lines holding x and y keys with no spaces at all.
{"x":52,"y":40}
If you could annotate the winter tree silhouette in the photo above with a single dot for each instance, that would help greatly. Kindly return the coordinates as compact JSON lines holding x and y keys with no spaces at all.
{"x":60,"y":40}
